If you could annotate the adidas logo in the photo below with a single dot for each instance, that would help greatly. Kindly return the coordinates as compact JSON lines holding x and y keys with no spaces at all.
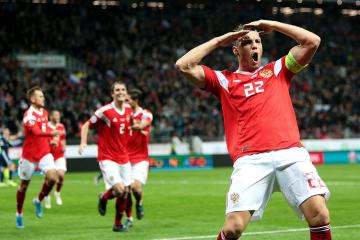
{"x":114,"y":120}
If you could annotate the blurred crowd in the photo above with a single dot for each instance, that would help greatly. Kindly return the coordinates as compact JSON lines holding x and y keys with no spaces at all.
{"x":139,"y":45}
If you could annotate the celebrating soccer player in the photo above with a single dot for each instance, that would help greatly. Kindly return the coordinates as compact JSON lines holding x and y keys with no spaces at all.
{"x":138,"y":152}
{"x":35,"y":151}
{"x":112,"y":122}
{"x":260,"y":125}
{"x":57,"y":146}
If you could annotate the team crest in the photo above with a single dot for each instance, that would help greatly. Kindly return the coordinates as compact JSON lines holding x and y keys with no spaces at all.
{"x":111,"y":178}
{"x":234,"y":197}
{"x":266,"y":73}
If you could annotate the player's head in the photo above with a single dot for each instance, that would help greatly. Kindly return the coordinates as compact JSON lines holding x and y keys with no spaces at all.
{"x":118,"y":91}
{"x":55,"y":116}
{"x":36,"y":97}
{"x":135,"y":96}
{"x":248,"y":50}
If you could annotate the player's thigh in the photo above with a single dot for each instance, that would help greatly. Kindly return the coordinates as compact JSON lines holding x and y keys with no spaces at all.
{"x":252,"y":183}
{"x":26,"y":169}
{"x":125,"y":173}
{"x":300,"y":180}
{"x":47,"y":164}
{"x":139,"y":172}
{"x":60,"y":164}
{"x":110,"y":172}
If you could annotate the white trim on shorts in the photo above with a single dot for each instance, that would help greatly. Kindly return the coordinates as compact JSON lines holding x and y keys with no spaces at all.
{"x":114,"y":173}
{"x":140,"y":171}
{"x":256,"y":177}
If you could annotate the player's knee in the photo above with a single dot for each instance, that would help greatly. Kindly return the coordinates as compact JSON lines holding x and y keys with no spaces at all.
{"x":119,"y":190}
{"x":136,"y":187}
{"x":233,"y":229}
{"x":320,"y":216}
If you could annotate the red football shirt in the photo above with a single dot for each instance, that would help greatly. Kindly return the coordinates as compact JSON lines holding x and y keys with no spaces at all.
{"x":139,"y":140}
{"x":59,"y":150}
{"x":257,"y":108}
{"x":36,"y":135}
{"x":113,"y":129}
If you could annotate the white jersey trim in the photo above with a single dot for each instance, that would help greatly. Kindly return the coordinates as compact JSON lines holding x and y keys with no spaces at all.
{"x":277,"y":67}
{"x":119,"y":111}
{"x":222,"y":80}
{"x":100,"y":114}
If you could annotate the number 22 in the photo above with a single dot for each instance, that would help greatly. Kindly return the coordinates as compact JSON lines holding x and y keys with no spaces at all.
{"x":253,"y":88}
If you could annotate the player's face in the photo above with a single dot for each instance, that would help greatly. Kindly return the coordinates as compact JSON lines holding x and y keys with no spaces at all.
{"x":38,"y":99}
{"x":119,"y":93}
{"x":55,"y":117}
{"x":249,"y":51}
{"x":131,"y":102}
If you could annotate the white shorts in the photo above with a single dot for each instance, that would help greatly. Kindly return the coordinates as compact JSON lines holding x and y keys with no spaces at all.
{"x":256,"y":177}
{"x":60,"y":164}
{"x":26,"y":168}
{"x":115,"y":173}
{"x":139,"y":171}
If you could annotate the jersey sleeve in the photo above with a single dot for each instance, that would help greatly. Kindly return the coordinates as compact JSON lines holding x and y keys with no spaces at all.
{"x":29,"y":122}
{"x":96,"y":119}
{"x":147,"y":116}
{"x":211,"y":80}
{"x":282,"y":72}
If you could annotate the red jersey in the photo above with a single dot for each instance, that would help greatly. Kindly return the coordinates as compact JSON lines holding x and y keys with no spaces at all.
{"x":257,"y":108}
{"x":58,"y":150}
{"x":139,"y":140}
{"x":36,"y":134}
{"x":113,"y":129}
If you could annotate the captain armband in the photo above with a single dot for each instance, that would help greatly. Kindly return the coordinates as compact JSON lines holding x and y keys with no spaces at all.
{"x":292,"y":65}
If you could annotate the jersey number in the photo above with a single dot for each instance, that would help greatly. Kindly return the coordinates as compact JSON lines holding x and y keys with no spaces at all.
{"x":253,"y":88}
{"x":122,"y":128}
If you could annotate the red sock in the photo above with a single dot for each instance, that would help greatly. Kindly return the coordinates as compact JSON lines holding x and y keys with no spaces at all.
{"x":320,"y":232}
{"x":59,"y":184}
{"x":46,"y":189}
{"x":20,"y":198}
{"x":108,"y":195}
{"x":120,"y":205}
{"x":221,"y":236}
{"x":138,"y":197}
{"x":129,"y":206}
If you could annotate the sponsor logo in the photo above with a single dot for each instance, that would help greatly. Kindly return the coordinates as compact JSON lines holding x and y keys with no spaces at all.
{"x":234,"y":197}
{"x":114,"y":119}
{"x":31,"y":122}
{"x":111,"y":178}
{"x":253,"y":76}
{"x":237,"y":81}
{"x":266,"y":73}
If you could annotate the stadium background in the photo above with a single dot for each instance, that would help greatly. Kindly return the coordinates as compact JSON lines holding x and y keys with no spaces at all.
{"x":76,"y":49}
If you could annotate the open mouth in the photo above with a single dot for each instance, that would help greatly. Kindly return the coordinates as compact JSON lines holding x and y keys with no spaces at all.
{"x":255,"y":57}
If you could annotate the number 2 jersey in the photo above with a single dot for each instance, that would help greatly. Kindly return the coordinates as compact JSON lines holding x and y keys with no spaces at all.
{"x":113,"y":130}
{"x":36,"y":135}
{"x":257,"y":108}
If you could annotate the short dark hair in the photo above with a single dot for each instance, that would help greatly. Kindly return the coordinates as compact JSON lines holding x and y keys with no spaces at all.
{"x":114,"y":83}
{"x":135,"y":94}
{"x":32,"y":90}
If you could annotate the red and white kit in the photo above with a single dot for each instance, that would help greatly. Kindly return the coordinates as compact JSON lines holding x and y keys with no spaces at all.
{"x":36,"y":147}
{"x":113,"y":129}
{"x":257,"y":109}
{"x":58,"y":150}
{"x":138,"y":146}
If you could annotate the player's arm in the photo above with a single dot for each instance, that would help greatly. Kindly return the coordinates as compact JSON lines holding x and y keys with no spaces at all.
{"x":141,"y":125}
{"x":188,"y":65}
{"x":84,"y":135}
{"x":300,"y":55}
{"x":36,"y":131}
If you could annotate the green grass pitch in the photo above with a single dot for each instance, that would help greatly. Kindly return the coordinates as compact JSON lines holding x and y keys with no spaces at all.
{"x":178,"y":205}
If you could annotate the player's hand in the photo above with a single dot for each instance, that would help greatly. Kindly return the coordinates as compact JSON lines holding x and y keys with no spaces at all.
{"x":82,"y":148}
{"x":53,"y":143}
{"x":56,"y":133}
{"x":229,"y":38}
{"x":265,"y":26}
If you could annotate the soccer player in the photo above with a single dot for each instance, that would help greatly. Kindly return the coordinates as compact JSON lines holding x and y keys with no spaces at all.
{"x":6,"y":141}
{"x":260,"y":125}
{"x":112,"y":122}
{"x":57,"y":146}
{"x":138,"y":152}
{"x":35,"y":151}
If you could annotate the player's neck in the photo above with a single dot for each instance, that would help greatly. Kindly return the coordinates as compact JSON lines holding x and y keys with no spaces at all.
{"x":119,"y":105}
{"x":36,"y":107}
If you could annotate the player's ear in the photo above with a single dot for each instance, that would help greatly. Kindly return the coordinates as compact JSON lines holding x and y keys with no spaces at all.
{"x":235,"y":50}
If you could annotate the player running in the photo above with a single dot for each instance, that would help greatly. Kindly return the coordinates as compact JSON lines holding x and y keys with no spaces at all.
{"x":35,"y":152}
{"x":112,"y":122}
